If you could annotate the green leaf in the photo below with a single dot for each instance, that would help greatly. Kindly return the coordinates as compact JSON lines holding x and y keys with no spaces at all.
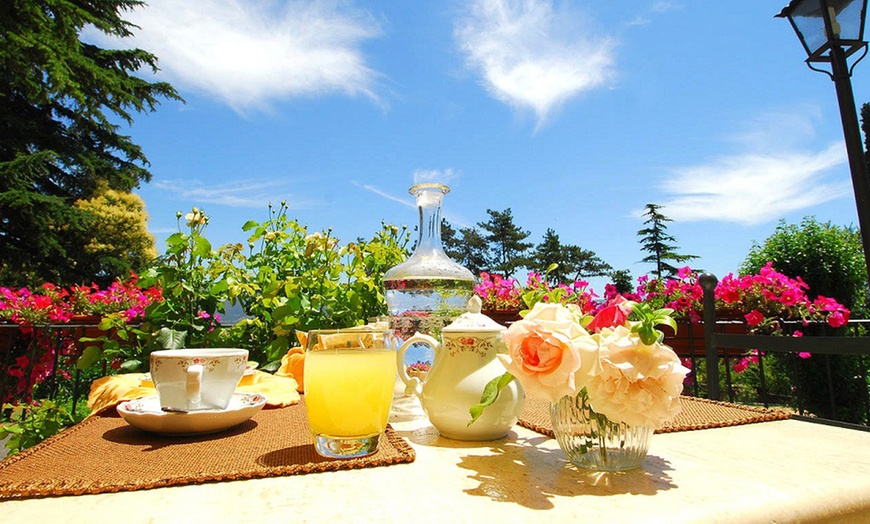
{"x":170,"y":338}
{"x":89,"y":357}
{"x":131,"y":365}
{"x":490,"y":395}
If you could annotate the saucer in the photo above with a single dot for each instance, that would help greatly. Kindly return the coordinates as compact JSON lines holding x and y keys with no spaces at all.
{"x":145,"y":414}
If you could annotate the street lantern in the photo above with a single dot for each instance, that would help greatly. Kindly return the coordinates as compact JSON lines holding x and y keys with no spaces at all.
{"x":823,"y":25}
{"x":831,"y":31}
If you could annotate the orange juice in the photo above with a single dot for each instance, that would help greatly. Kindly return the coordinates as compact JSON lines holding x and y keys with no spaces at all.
{"x":348,"y":392}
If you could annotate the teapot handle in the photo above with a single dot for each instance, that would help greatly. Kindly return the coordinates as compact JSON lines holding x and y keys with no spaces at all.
{"x":413,"y":385}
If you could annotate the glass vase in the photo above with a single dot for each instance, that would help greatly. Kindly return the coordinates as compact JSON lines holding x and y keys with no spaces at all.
{"x":592,"y":441}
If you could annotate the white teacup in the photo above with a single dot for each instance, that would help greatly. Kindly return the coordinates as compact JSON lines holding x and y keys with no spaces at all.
{"x":197,"y":379}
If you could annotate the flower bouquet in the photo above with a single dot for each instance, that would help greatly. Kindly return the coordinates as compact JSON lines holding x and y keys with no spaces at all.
{"x":605,"y":375}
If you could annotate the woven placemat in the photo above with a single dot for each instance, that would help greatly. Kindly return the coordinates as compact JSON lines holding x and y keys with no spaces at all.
{"x":697,"y":413}
{"x":104,"y":454}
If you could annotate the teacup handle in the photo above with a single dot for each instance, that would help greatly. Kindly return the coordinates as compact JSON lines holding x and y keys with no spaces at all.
{"x":413,"y":384}
{"x":194,"y":385}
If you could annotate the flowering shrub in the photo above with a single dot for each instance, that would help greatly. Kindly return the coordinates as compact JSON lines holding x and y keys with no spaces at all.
{"x":499,"y":293}
{"x":763,"y":300}
{"x":53,"y":304}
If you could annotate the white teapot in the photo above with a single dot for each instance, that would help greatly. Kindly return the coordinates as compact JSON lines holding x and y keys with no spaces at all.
{"x":464,"y":363}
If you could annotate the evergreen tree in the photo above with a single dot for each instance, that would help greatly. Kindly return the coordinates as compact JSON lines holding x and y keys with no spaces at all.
{"x":622,"y":281}
{"x":550,"y":251}
{"x":473,"y":249}
{"x":59,"y":97}
{"x":507,"y":251}
{"x":467,"y":247}
{"x":661,"y":247}
{"x":450,"y":241}
{"x":584,"y":263}
{"x":573,"y":262}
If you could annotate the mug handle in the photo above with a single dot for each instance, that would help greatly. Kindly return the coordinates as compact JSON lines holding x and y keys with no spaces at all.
{"x":194,"y":385}
{"x":413,"y":384}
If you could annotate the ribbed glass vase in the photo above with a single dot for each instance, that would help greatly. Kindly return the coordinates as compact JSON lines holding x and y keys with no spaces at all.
{"x":592,"y":441}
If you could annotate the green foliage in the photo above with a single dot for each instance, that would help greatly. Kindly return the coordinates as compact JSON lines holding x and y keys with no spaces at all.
{"x":30,"y":425}
{"x":645,"y":320}
{"x":571,"y":262}
{"x":59,"y":99}
{"x":195,"y":291}
{"x":293,"y":280}
{"x":622,"y":281}
{"x":661,"y":247}
{"x":829,"y":258}
{"x":120,"y":241}
{"x":490,"y":395}
{"x":507,"y":249}
{"x":467,"y":247}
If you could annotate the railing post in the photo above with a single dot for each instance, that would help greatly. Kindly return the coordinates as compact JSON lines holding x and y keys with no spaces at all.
{"x":708,"y":285}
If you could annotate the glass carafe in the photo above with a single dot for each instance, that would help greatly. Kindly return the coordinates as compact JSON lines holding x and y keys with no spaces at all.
{"x":428,"y":291}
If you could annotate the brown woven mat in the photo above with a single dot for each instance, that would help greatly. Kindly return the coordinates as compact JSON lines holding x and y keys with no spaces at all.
{"x":697,"y":413}
{"x":105,"y":454}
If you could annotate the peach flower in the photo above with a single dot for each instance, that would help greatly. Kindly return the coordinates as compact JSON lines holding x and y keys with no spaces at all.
{"x":637,"y":384}
{"x":549,"y":352}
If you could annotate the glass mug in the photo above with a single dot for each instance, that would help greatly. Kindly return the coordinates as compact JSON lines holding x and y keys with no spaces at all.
{"x":349,"y":379}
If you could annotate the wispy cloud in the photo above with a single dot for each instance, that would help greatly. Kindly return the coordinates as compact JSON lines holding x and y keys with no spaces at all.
{"x":665,"y":6}
{"x":242,"y":193}
{"x":381,"y":193}
{"x":435,"y":176}
{"x":753,"y":188}
{"x":250,"y":53}
{"x":532,"y":56}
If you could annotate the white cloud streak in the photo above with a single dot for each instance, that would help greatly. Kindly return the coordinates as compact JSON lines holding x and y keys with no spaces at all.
{"x":531,"y":56}
{"x":242,"y":193}
{"x":755,"y":188}
{"x":381,"y":193}
{"x":251,"y":53}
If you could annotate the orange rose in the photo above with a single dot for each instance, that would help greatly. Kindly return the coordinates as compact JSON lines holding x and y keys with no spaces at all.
{"x":549,"y":353}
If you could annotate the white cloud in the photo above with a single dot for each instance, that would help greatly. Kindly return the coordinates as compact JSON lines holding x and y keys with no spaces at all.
{"x":242,"y":193}
{"x":253,"y":52}
{"x":435,"y":176}
{"x":753,"y":188}
{"x":381,"y":193}
{"x":531,"y":56}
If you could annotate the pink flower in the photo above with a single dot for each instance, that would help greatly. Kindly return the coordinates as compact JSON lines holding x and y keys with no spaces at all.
{"x":754,"y":318}
{"x":804,"y":354}
{"x":741,"y":365}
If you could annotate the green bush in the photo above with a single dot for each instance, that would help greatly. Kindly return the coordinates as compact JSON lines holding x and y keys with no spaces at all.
{"x":827,"y":257}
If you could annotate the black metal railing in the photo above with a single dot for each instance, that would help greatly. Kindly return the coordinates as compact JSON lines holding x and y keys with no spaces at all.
{"x":847,"y":349}
{"x":39,"y":363}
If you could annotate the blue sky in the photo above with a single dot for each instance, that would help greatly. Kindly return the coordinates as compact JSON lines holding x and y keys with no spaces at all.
{"x":573,"y":114}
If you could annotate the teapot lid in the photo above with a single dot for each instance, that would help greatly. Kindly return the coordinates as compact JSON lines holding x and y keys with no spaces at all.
{"x":473,"y":320}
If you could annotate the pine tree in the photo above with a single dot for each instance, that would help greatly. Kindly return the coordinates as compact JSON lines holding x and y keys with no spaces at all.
{"x":572,"y":262}
{"x":659,"y":244}
{"x":59,"y":97}
{"x":507,"y":251}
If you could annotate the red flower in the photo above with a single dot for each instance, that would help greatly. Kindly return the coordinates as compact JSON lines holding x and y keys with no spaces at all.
{"x":615,"y":313}
{"x":754,"y":318}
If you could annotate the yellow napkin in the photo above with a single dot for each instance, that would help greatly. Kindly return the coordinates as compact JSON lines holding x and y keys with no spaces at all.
{"x":110,"y":391}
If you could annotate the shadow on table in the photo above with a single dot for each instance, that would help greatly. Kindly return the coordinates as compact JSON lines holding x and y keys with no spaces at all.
{"x":137,"y":437}
{"x":524,"y":473}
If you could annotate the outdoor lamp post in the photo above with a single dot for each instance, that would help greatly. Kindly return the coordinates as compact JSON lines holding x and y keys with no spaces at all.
{"x":831,"y":31}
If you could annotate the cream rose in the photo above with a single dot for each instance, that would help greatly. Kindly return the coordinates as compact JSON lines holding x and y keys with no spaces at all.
{"x":637,"y":384}
{"x":549,"y":352}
